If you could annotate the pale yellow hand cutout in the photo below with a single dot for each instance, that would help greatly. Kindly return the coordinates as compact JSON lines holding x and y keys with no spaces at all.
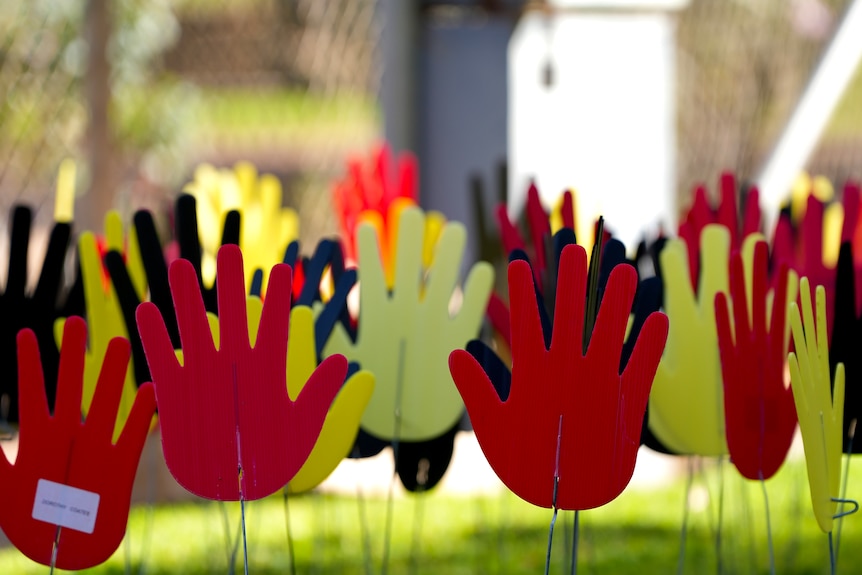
{"x":406,"y":333}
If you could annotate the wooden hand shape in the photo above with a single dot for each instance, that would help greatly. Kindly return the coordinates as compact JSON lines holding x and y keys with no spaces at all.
{"x":342,"y":421}
{"x":368,"y":187}
{"x":105,"y":322}
{"x":819,"y":402}
{"x":701,"y":214}
{"x":64,"y":450}
{"x":36,"y":310}
{"x":405,"y":335}
{"x":226,"y":408}
{"x":759,"y":413}
{"x":191,"y":249}
{"x":566,"y":412}
{"x":686,"y":406}
{"x":846,"y":344}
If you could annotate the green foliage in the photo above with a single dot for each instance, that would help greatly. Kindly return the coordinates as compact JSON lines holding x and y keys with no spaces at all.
{"x":285,"y":116}
{"x":153,"y":111}
{"x":43,"y":62}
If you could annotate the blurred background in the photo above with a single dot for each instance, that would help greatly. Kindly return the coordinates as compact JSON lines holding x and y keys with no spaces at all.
{"x":658,"y":97}
{"x":139,"y":92}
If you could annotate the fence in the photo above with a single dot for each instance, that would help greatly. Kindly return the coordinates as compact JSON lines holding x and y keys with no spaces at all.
{"x":291,"y":85}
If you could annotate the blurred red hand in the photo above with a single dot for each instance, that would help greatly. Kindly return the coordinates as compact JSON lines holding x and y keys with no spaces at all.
{"x":701,"y":214}
{"x":599,"y":411}
{"x":63,"y":449}
{"x":227,"y":405}
{"x":759,"y":413}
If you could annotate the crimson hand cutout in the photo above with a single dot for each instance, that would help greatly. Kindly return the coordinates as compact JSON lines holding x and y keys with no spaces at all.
{"x":69,"y":465}
{"x":225,"y":407}
{"x":569,"y":415}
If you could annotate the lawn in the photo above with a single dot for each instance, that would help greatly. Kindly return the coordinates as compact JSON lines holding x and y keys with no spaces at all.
{"x":285,"y":117}
{"x":639,"y":533}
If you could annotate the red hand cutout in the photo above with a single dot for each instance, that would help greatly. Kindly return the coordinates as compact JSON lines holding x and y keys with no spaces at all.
{"x":373,"y":184}
{"x":227,"y":406}
{"x":759,"y":413}
{"x":701,"y":214}
{"x":62,"y":449}
{"x":601,"y":410}
{"x":540,"y":228}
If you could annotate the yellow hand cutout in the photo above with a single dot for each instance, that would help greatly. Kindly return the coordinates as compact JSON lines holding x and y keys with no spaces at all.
{"x":820,"y":409}
{"x":104,"y":322}
{"x":266,"y":227}
{"x":686,"y":408}
{"x":388,"y":235}
{"x":64,"y":199}
{"x":406,"y":333}
{"x":342,"y":422}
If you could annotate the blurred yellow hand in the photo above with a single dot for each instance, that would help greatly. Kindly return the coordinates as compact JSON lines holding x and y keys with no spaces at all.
{"x":104,"y":315}
{"x":266,"y":227}
{"x":820,"y":408}
{"x":406,"y":332}
{"x":686,"y":408}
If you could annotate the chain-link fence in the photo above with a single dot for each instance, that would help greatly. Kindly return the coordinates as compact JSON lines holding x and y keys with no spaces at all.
{"x":287,"y":84}
{"x":291,"y":85}
{"x":742,"y":66}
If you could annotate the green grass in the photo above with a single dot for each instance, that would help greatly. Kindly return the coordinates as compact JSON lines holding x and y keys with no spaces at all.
{"x":285,"y":116}
{"x":639,"y":533}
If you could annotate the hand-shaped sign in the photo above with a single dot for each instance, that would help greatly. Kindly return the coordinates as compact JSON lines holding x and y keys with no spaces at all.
{"x":315,"y":287}
{"x":542,"y":250}
{"x":759,"y":413}
{"x":701,"y":215}
{"x":37,"y":310}
{"x":565,"y":213}
{"x":569,"y":415}
{"x":686,"y":407}
{"x":71,"y":485}
{"x":155,"y":270}
{"x":540,"y":229}
{"x":342,"y":421}
{"x":125,"y":243}
{"x":105,"y":323}
{"x":819,"y":403}
{"x":804,"y":249}
{"x":190,"y":246}
{"x":267,"y":227}
{"x":369,"y":187}
{"x":405,"y":336}
{"x":226,"y":407}
{"x":804,"y":187}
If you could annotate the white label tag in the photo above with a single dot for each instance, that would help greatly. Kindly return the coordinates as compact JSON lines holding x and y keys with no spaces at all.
{"x":65,"y":506}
